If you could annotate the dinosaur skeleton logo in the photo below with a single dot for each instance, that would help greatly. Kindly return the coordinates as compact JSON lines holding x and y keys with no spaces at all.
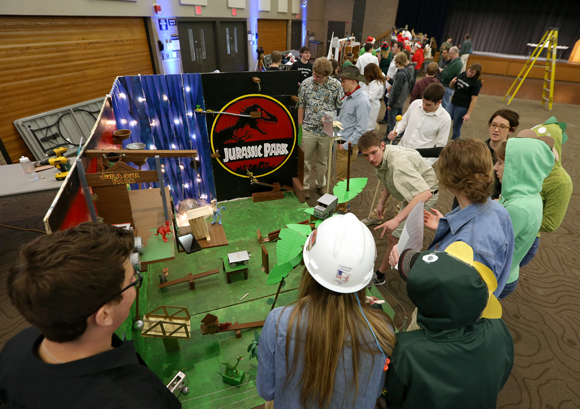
{"x":260,"y":137}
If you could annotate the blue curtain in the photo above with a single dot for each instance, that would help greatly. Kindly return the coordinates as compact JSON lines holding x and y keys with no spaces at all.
{"x":160,"y":112}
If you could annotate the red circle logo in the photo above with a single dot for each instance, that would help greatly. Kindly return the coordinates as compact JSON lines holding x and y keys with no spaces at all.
{"x":259,"y":137}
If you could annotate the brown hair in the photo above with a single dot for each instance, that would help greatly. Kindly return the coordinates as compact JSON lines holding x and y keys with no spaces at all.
{"x":432,"y":69}
{"x":368,"y":47}
{"x":334,"y":320}
{"x":334,"y":65}
{"x":500,"y":151}
{"x":466,"y":165}
{"x":63,"y":277}
{"x":408,"y":54}
{"x":304,"y":49}
{"x":434,"y":92}
{"x":512,"y":117}
{"x":368,"y":140}
{"x":322,"y":67}
{"x":276,"y":56}
{"x":477,"y":68}
{"x":374,"y":73}
{"x":402,"y":58}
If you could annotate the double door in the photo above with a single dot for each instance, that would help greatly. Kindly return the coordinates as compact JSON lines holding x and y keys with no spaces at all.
{"x":213,"y":45}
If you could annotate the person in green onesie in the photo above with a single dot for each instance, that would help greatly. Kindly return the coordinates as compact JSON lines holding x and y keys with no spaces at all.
{"x":463,"y":354}
{"x":557,"y":187}
{"x":522,"y":165}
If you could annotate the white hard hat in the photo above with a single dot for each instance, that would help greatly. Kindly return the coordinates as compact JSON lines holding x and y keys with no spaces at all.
{"x":340,"y":254}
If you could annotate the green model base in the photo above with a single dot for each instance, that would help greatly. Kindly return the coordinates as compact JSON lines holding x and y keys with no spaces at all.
{"x":212,"y":295}
{"x":236,"y":380}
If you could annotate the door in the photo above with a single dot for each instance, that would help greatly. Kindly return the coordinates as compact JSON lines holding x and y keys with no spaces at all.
{"x":233,"y":47}
{"x":296,"y":35}
{"x":272,"y":35}
{"x":198,"y":51}
{"x":358,"y":17}
{"x":336,"y":27}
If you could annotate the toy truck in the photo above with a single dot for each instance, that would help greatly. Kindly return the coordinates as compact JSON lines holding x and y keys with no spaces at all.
{"x":326,"y":206}
{"x":238,"y":258}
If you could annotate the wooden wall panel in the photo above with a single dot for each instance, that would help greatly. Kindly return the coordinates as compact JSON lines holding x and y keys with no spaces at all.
{"x":52,"y":62}
{"x":272,"y":35}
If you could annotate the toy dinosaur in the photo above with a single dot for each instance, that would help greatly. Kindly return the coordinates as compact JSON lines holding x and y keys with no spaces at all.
{"x":216,"y":212}
{"x":163,"y":230}
{"x":232,"y":375}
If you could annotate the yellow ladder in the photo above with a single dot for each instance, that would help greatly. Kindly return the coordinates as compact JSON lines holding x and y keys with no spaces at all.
{"x":550,"y":39}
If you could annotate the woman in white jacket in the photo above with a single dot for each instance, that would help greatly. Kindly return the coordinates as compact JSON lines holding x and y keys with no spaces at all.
{"x":375,"y":90}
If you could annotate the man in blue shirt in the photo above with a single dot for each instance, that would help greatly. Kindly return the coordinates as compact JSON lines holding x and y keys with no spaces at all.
{"x":466,"y":50}
{"x":354,"y":117}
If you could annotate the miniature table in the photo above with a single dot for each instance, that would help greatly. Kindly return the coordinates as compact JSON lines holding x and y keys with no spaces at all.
{"x":229,"y":271}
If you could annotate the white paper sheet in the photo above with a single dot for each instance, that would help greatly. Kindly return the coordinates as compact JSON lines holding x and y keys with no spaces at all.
{"x":412,"y":235}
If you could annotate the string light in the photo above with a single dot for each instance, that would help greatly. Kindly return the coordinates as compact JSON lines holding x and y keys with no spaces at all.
{"x":172,"y":146}
{"x":122,"y":95}
{"x":153,"y":123}
{"x":187,"y":89}
{"x":152,"y":147}
{"x":176,"y":121}
{"x":193,"y":136}
{"x":181,"y":167}
{"x":140,"y":99}
{"x":133,"y":122}
{"x":186,"y":186}
{"x":198,"y":180}
{"x":165,"y":98}
{"x":123,"y":121}
{"x":190,"y":114}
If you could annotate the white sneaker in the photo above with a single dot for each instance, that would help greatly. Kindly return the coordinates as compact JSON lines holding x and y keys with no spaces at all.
{"x":369,"y":221}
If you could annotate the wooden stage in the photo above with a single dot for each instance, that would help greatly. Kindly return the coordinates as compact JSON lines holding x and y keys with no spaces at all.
{"x":511,"y":66}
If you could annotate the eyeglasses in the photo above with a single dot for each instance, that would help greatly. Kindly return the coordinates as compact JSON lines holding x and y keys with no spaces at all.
{"x":501,"y":127}
{"x":137,"y":284}
{"x":318,"y":77}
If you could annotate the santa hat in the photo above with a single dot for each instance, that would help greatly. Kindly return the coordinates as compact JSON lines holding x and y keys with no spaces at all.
{"x":418,"y":45}
{"x":370,"y":40}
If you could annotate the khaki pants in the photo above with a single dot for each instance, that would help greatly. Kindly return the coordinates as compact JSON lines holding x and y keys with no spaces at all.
{"x":342,"y":168}
{"x":270,"y":403}
{"x":464,"y":59}
{"x":315,"y":147}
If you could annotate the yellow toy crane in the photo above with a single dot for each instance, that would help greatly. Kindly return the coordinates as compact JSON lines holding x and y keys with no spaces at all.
{"x":549,"y":41}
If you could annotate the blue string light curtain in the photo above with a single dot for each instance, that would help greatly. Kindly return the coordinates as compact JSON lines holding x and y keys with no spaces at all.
{"x":159,"y":111}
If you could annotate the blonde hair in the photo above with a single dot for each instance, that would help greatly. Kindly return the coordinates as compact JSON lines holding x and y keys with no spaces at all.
{"x":322,"y":66}
{"x":401,"y":59}
{"x":332,"y":321}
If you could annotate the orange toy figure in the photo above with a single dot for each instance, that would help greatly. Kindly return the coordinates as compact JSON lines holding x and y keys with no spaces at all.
{"x":163,"y":230}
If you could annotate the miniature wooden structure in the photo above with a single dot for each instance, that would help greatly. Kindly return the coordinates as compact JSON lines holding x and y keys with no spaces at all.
{"x":239,"y":269}
{"x":275,"y":194}
{"x":211,"y":325}
{"x":260,"y":238}
{"x":189,"y":278}
{"x":265,"y":260}
{"x":173,"y":324}
{"x":199,"y":226}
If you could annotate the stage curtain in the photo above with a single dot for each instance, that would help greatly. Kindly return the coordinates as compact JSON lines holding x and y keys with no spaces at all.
{"x":506,"y":27}
{"x":424,"y":17}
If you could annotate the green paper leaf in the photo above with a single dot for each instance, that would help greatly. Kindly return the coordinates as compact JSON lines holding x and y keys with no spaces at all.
{"x":279,"y":272}
{"x":250,"y":347}
{"x":257,"y":336}
{"x":356,"y":186}
{"x":300,"y":135}
{"x":289,"y":245}
{"x":296,"y":260}
{"x":270,"y":301}
{"x":300,"y":228}
{"x":308,"y":210}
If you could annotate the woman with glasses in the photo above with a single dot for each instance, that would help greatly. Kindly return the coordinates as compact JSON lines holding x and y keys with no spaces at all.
{"x":502,"y":124}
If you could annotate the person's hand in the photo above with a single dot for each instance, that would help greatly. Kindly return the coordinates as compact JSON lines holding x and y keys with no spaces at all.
{"x":431,"y":220}
{"x":344,"y":146}
{"x":394,"y":256}
{"x":388,"y":78}
{"x":389,"y":88}
{"x":466,"y":117}
{"x":380,"y":211}
{"x":440,"y":69}
{"x":453,"y":81}
{"x":388,"y":227}
{"x":388,"y":108}
{"x":371,"y":300}
{"x":392,"y":135}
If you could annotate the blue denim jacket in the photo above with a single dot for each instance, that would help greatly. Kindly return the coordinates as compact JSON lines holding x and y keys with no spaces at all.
{"x":272,"y":370}
{"x":487,"y":228}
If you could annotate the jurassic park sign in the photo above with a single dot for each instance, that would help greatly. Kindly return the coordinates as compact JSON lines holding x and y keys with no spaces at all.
{"x":259,"y":139}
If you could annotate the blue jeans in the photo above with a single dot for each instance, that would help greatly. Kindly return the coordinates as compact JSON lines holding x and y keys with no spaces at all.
{"x":508,"y":289}
{"x":456,"y":113}
{"x":531,"y":252}
{"x":447,"y":97}
{"x":393,"y":118}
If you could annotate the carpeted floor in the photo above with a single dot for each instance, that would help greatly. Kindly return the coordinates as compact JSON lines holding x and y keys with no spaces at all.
{"x":543,"y":314}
